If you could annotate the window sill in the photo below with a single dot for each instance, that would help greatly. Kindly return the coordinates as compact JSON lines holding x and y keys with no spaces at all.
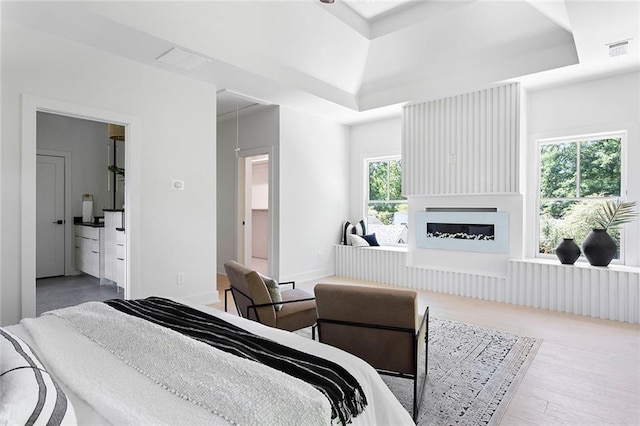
{"x":402,"y":249}
{"x":582,"y":265}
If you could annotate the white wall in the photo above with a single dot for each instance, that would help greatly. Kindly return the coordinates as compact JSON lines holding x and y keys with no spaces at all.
{"x":310,"y":188}
{"x":87,"y":142}
{"x":600,"y":105}
{"x":260,"y":234}
{"x":314,"y":193}
{"x":257,"y":131}
{"x":377,"y":139}
{"x":170,"y":231}
{"x":260,"y":186}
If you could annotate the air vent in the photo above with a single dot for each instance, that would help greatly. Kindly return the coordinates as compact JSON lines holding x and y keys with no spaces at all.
{"x":182,"y":59}
{"x":618,"y":48}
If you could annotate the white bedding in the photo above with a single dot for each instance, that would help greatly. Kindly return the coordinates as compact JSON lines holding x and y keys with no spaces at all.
{"x":382,"y":409}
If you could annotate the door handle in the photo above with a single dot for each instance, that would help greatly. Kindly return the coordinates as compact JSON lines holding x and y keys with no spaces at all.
{"x":59,"y":222}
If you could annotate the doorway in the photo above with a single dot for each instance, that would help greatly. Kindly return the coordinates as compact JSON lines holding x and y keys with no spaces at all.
{"x":253,"y":197}
{"x":71,"y":236}
{"x":31,"y":106}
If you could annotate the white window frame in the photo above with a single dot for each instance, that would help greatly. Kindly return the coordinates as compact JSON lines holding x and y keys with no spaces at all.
{"x":373,"y":159}
{"x":622,"y":134}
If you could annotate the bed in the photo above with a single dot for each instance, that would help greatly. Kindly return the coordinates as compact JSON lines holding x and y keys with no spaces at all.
{"x":124,"y":363}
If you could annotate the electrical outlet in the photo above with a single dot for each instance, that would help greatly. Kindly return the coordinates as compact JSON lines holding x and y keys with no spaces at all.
{"x":180,"y":278}
{"x":319,"y":256}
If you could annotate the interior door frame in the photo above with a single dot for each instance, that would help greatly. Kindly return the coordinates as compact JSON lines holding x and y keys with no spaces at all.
{"x":239,"y":207}
{"x":69,"y":265}
{"x":31,"y":105}
{"x":245,"y":187}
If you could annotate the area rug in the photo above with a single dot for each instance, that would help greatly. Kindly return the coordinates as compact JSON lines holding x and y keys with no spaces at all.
{"x":473,"y":374}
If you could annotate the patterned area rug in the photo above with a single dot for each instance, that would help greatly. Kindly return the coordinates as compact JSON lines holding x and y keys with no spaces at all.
{"x":473,"y":374}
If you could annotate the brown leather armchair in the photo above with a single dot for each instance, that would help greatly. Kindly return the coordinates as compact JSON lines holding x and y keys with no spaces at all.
{"x":253,"y":301}
{"x":379,"y":325}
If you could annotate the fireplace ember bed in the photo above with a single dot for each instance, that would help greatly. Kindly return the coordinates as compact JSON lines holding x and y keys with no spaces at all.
{"x":461,"y":231}
{"x":464,"y":229}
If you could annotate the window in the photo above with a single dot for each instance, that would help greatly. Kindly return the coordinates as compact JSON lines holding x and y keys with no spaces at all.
{"x":386,"y":207}
{"x":576,"y":176}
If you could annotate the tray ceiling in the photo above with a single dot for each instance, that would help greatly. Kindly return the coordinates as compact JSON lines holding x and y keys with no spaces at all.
{"x":340,"y":60}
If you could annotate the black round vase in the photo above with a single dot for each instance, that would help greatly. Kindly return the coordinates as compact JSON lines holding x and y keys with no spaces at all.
{"x":599,"y":248}
{"x":568,"y":251}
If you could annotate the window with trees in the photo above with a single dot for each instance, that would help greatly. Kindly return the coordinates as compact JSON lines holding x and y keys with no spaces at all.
{"x":576,"y":176}
{"x":386,"y":207}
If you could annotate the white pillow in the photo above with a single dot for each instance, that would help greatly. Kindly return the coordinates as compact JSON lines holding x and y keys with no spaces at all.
{"x":349,"y":228}
{"x":274,"y":291}
{"x":29,"y":392}
{"x":358,"y":241}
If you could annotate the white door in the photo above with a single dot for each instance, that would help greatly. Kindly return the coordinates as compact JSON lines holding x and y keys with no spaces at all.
{"x":50,"y":224}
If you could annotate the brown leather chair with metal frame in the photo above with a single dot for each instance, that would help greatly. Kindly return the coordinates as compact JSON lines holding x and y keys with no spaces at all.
{"x":253,"y":301}
{"x":379,"y":325}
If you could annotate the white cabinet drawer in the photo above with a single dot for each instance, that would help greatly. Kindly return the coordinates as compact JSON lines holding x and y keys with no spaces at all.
{"x":87,"y":245}
{"x":93,"y":264}
{"x":120,"y":272}
{"x":88,"y":232}
{"x":120,"y":252}
{"x":87,"y":250}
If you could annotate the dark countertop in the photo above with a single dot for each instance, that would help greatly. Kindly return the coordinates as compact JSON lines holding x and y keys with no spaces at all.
{"x":112,"y":210}
{"x":91,"y":224}
{"x":77,"y":220}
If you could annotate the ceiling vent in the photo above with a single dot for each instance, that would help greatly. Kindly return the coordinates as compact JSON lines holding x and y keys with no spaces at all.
{"x":182,"y":59}
{"x":618,"y":48}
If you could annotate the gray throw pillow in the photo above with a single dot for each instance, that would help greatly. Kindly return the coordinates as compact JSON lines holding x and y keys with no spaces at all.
{"x":274,"y":291}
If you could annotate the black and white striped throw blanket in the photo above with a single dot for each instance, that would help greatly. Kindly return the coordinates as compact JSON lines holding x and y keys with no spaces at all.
{"x":337,"y":384}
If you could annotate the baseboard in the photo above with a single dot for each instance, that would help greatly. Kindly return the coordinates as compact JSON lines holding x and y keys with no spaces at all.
{"x":208,"y":298}
{"x":310,"y":276}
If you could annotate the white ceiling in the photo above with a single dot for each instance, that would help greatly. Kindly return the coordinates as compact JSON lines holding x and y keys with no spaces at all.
{"x":369,"y":9}
{"x":354,"y":60}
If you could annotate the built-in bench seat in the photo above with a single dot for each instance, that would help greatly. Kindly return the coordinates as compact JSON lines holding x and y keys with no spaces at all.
{"x":610,"y":293}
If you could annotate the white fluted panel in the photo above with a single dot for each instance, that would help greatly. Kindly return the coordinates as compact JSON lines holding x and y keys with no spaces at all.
{"x":608,"y":293}
{"x":482,"y":130}
{"x":371,"y":264}
{"x":390,"y":267}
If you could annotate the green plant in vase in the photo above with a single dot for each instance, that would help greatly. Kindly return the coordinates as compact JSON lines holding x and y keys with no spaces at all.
{"x":599,"y":248}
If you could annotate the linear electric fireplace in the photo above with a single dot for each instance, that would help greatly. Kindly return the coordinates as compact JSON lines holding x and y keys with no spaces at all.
{"x":464,"y":229}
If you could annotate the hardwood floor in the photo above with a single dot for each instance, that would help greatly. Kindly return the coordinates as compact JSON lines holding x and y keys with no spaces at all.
{"x":586,"y":372}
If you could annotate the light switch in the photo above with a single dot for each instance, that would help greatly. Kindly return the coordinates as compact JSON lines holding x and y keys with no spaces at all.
{"x":177,"y":185}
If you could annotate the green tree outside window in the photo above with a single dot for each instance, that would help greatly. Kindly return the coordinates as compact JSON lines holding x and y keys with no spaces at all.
{"x":575,"y":177}
{"x":386,"y":206}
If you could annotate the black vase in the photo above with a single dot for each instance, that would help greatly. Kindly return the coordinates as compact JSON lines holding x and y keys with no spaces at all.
{"x":599,"y":248}
{"x":568,"y":251}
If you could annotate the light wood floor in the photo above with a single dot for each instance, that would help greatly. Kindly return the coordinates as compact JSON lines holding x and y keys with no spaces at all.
{"x":586,"y":372}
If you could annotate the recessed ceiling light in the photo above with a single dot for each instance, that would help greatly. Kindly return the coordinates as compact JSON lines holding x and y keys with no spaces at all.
{"x":182,"y":59}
